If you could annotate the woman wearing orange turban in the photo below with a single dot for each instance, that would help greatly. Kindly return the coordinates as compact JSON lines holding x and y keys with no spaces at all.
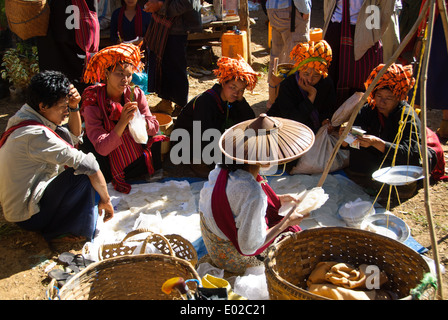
{"x":221,"y":106}
{"x":108,"y":108}
{"x":386,"y":114}
{"x":307,"y":94}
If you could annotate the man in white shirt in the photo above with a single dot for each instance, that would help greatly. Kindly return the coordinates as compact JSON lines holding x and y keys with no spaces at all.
{"x":47,"y":185}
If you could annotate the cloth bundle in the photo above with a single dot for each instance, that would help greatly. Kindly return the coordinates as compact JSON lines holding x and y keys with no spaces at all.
{"x":315,"y":160}
{"x":341,"y":281}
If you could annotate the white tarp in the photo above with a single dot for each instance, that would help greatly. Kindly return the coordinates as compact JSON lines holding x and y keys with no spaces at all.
{"x":171,"y":207}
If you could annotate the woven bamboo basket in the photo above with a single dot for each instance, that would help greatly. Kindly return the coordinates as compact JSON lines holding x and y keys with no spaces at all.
{"x":183,"y":248}
{"x":28,"y":19}
{"x":136,"y":277}
{"x":169,"y":244}
{"x":290,"y":261}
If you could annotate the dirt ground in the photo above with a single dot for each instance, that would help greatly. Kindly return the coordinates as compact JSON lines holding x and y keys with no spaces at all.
{"x":25,"y":258}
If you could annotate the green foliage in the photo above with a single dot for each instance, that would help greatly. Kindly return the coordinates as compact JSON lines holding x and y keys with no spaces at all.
{"x":3,"y":21}
{"x":20,"y":65}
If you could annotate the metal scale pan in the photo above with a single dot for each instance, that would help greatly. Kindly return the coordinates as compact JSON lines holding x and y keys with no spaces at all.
{"x":398,"y":175}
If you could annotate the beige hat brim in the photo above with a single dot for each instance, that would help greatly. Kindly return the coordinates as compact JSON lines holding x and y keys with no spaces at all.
{"x":266,"y":141}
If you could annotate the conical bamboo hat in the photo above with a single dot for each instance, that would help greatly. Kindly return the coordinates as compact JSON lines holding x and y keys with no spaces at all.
{"x":266,"y":141}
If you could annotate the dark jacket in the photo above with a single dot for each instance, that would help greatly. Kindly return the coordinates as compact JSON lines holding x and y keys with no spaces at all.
{"x":187,"y":13}
{"x":368,"y":160}
{"x":212,"y":112}
{"x":206,"y":108}
{"x":292,"y":103}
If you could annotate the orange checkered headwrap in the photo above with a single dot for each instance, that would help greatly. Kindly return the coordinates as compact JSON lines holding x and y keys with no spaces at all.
{"x":111,"y":56}
{"x":316,"y":55}
{"x":397,"y":78}
{"x":238,"y":69}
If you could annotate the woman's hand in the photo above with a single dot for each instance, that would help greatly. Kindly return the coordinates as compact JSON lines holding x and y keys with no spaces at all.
{"x":368,"y":140}
{"x":340,"y":132}
{"x":153,"y":6}
{"x":290,"y":197}
{"x":330,"y":128}
{"x":294,"y":217}
{"x":308,"y":88}
{"x":127,"y":113}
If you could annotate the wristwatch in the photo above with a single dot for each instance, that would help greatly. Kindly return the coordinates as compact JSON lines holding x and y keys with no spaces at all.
{"x":73,"y":110}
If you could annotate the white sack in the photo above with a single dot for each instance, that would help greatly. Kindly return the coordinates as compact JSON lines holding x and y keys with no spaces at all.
{"x":315,"y":160}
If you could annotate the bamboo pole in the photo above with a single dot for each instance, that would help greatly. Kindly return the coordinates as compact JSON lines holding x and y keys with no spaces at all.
{"x":424,"y":79}
{"x":443,"y":15}
{"x":244,"y":24}
{"x":363,"y":100}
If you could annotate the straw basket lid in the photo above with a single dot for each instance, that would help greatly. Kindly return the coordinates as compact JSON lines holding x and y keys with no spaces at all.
{"x":266,"y":141}
{"x":27,"y":19}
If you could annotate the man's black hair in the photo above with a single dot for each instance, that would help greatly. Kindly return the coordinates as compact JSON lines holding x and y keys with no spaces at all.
{"x":47,"y":87}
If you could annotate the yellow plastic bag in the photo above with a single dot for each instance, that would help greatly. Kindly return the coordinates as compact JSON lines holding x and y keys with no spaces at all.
{"x":209,"y":281}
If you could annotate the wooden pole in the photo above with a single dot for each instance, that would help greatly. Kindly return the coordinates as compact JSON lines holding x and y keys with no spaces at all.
{"x":443,"y":15}
{"x":424,"y":79}
{"x":363,"y":100}
{"x":244,"y":24}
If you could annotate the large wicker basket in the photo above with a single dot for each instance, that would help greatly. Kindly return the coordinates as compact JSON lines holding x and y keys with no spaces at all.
{"x":28,"y":19}
{"x":290,"y":261}
{"x":136,"y":277}
{"x":172,"y":244}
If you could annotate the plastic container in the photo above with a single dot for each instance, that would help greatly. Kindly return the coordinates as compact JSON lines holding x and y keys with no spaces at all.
{"x":166,"y":127}
{"x":226,"y":9}
{"x":234,"y":42}
{"x":354,"y":212}
{"x":269,"y":35}
{"x":315,"y":34}
{"x":230,"y":9}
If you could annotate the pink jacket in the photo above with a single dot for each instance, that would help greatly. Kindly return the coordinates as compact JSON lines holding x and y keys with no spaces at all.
{"x":103,"y":141}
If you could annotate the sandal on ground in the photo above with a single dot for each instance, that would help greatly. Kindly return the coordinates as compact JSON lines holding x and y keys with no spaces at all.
{"x":194,"y":72}
{"x":75,"y":262}
{"x":60,"y":276}
{"x":204,"y":71}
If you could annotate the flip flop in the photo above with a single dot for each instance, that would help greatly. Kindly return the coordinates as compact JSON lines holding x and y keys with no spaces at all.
{"x":204,"y":71}
{"x":194,"y":72}
{"x":75,"y":262}
{"x":60,"y":276}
